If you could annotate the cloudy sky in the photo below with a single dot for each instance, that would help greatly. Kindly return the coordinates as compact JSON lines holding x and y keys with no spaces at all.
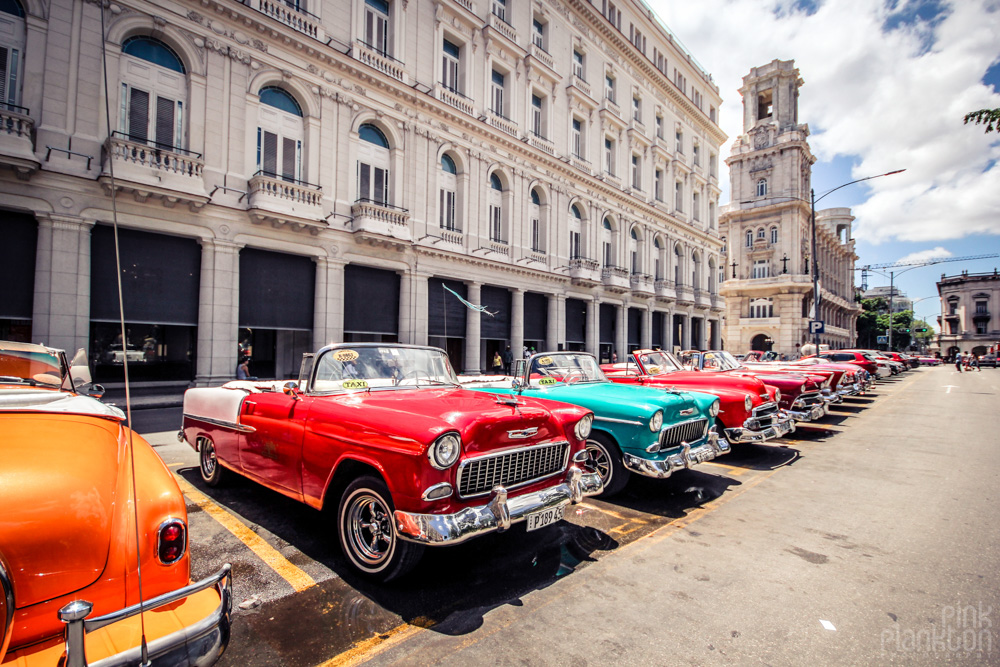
{"x":886,"y":86}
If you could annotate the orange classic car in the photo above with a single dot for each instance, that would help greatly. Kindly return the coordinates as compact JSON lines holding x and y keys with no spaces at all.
{"x":92,"y":570}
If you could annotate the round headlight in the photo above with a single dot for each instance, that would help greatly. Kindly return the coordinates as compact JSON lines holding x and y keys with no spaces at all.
{"x":748,"y":403}
{"x":777,"y":396}
{"x":582,"y":428}
{"x":444,"y":451}
{"x":714,"y":408}
{"x":656,"y":422}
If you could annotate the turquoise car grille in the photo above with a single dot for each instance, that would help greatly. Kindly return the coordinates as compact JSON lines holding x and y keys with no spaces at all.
{"x":511,"y":468}
{"x":691,"y":431}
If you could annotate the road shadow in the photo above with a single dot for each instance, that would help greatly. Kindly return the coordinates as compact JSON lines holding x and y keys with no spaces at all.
{"x":833,"y":419}
{"x":671,"y":498}
{"x":853,"y":409}
{"x":762,"y":456}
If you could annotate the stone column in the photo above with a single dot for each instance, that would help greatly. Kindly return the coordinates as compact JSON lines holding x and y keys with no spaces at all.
{"x":686,"y":331}
{"x":556,"y":326}
{"x":621,"y":330}
{"x":646,"y":335}
{"x":328,"y":322}
{"x":593,"y":326}
{"x":517,"y":321}
{"x":419,"y":291}
{"x":61,"y":308}
{"x":218,"y":312}
{"x":472,"y":329}
{"x":405,"y":309}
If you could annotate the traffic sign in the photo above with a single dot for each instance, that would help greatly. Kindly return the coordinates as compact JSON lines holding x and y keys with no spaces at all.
{"x":816,"y":326}
{"x":882,"y":340}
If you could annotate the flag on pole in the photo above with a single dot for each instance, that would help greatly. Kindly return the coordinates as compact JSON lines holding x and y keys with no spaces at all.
{"x":471,"y":306}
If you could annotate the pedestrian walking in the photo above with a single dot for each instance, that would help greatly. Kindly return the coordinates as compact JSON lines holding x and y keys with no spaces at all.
{"x":975,"y":362}
{"x":497,"y":362}
{"x":958,"y":362}
{"x":243,"y":369}
{"x":508,"y":360}
{"x":614,"y":357}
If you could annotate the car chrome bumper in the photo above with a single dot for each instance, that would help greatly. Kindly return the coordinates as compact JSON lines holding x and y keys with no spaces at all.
{"x":498,"y":514}
{"x":809,"y":413}
{"x":757,"y":434}
{"x":201,"y":643}
{"x":688,"y":456}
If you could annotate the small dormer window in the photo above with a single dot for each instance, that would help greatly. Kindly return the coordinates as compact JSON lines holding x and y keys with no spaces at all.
{"x":764,"y":105}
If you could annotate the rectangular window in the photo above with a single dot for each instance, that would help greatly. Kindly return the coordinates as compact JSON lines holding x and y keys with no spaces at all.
{"x":609,"y":156}
{"x":495,"y":224}
{"x":373,"y":184}
{"x":500,"y":9}
{"x":607,"y":254}
{"x":536,"y":235}
{"x":695,"y":207}
{"x":658,"y":189}
{"x":536,"y":115}
{"x":711,"y":113}
{"x":659,"y":127}
{"x":761,"y":268}
{"x":637,"y":109}
{"x":449,"y":66}
{"x":609,"y":88}
{"x":538,"y":33}
{"x":496,"y":101}
{"x":448,"y":210}
{"x":679,"y":141}
{"x":577,"y":138}
{"x":679,"y":197}
{"x":8,"y":75}
{"x":636,"y":170}
{"x":574,"y":244}
{"x":377,"y":25}
{"x":578,"y":65}
{"x":696,"y":154}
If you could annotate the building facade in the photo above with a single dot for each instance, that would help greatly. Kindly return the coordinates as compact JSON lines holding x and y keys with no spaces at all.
{"x":767,"y":229}
{"x":292,"y":174}
{"x":900,"y":301}
{"x":967,"y":324}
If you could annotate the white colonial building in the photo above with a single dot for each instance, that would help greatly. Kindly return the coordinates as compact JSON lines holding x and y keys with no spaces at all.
{"x":290,"y":174}
{"x":767,"y":229}
{"x":967,"y":324}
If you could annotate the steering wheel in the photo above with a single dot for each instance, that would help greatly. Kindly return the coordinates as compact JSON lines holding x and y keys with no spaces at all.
{"x":414,"y":374}
{"x":575,"y":375}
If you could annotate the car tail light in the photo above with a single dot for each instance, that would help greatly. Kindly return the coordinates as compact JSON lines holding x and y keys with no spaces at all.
{"x":171,"y":542}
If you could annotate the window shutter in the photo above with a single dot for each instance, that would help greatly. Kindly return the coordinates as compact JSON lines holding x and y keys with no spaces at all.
{"x":381,"y":186}
{"x":364,"y":181}
{"x":269,"y":165}
{"x":289,"y":158}
{"x":138,"y":115}
{"x":3,"y":74}
{"x":165,"y":122}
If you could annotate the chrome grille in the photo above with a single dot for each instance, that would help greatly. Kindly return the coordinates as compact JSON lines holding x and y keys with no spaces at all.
{"x":511,"y":468}
{"x":811,"y":399}
{"x":765,"y":414}
{"x":685,"y":432}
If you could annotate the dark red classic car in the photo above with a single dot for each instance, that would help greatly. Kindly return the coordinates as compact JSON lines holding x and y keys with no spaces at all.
{"x":801,"y":395}
{"x":749,"y":409}
{"x":384,"y":436}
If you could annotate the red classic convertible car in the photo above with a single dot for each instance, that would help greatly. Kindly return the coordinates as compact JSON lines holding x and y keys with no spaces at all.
{"x":801,"y":395}
{"x":749,"y":408}
{"x":74,"y":532}
{"x":384,"y":436}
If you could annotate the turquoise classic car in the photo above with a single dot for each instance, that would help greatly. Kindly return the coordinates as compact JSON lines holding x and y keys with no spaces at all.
{"x":640,"y":430}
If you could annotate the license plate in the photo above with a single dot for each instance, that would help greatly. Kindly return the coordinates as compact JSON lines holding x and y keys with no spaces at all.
{"x":545,"y":517}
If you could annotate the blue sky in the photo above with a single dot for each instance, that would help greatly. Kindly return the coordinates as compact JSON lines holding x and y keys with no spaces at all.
{"x":886,"y":85}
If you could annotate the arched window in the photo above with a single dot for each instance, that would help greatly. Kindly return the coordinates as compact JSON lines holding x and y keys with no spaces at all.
{"x":678,"y":265}
{"x":760,"y":233}
{"x":280,"y":135}
{"x":496,"y":209}
{"x":607,"y":242}
{"x":749,"y":241}
{"x":633,"y":251}
{"x":774,"y":235}
{"x":695,"y":270}
{"x":711,"y":276}
{"x":153,"y":94}
{"x":762,"y":187}
{"x":575,"y":232}
{"x":536,"y":213}
{"x":449,"y":194}
{"x":12,"y":41}
{"x":373,"y":165}
{"x":657,"y":259}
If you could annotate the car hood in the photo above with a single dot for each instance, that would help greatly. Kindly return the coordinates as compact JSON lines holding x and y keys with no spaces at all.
{"x":608,"y":399}
{"x":57,"y":489}
{"x":708,"y":382}
{"x":485,"y":421}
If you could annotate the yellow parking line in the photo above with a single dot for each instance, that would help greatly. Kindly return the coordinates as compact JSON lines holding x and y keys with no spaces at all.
{"x":369,"y":648}
{"x":295,"y":577}
{"x":612,"y":513}
{"x":736,"y":471}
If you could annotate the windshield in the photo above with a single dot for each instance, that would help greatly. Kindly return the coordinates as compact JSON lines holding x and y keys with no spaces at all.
{"x":569,"y":368}
{"x":30,"y":367}
{"x":659,"y":363}
{"x":383,"y":366}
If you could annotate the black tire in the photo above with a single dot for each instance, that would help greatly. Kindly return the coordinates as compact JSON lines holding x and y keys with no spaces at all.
{"x":368,"y":533}
{"x":212,"y":472}
{"x":604,"y":458}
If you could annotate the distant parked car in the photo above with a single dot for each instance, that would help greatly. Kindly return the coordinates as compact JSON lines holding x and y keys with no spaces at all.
{"x":988,"y":360}
{"x":933,"y":361}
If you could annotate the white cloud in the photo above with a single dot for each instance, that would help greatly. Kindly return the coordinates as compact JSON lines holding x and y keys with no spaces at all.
{"x":924,"y":255}
{"x":880,"y":97}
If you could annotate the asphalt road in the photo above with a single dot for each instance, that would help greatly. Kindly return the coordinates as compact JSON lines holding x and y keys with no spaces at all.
{"x":870,"y":538}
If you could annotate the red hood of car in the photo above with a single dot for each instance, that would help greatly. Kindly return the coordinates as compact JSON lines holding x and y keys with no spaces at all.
{"x":58,"y":482}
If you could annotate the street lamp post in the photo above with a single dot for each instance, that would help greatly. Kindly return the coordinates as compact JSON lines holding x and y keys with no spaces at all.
{"x":815,"y":260}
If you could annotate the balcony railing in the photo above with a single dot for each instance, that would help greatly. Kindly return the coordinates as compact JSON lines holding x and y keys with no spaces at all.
{"x":299,"y":19}
{"x":467,"y":4}
{"x":453,"y":236}
{"x":17,"y":132}
{"x":581,"y":164}
{"x":455,"y":99}
{"x":610,"y":105}
{"x":642,"y":285}
{"x":378,"y":60}
{"x":702,"y":298}
{"x":504,"y":28}
{"x":664,"y":289}
{"x":584,"y":270}
{"x":685,"y":294}
{"x":378,"y":219}
{"x":283,"y":197}
{"x":152,"y":165}
{"x":542,"y":55}
{"x":581,"y":84}
{"x":500,"y":247}
{"x":501,"y":123}
{"x":541,"y":143}
{"x":616,"y":278}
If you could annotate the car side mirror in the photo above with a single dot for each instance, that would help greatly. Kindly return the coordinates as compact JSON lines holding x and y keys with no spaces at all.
{"x":96,"y":391}
{"x":291,"y":389}
{"x":79,"y":371}
{"x":516,"y":384}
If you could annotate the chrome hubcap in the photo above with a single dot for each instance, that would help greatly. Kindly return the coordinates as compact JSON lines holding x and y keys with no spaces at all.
{"x":369,"y":528}
{"x":208,"y":461}
{"x":598,"y":461}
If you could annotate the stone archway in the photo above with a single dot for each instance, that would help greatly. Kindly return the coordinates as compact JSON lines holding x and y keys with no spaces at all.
{"x":761,"y":343}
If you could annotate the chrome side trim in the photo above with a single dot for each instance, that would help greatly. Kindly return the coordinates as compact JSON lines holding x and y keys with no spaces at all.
{"x":617,"y":421}
{"x":239,"y":428}
{"x":201,"y":643}
{"x":431,"y":489}
{"x":502,"y":511}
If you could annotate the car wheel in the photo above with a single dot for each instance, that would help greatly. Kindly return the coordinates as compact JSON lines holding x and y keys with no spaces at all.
{"x":212,"y":472}
{"x":604,"y":458}
{"x":368,"y":532}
